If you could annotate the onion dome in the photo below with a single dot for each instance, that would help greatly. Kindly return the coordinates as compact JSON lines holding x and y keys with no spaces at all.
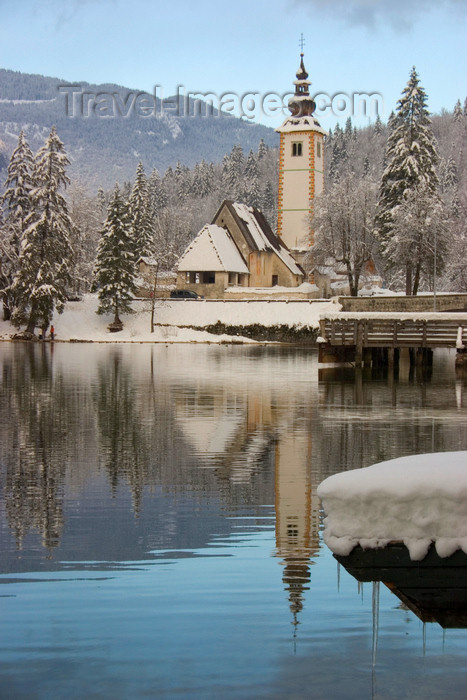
{"x":301,"y":104}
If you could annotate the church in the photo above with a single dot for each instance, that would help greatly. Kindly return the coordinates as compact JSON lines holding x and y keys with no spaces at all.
{"x":239,"y":250}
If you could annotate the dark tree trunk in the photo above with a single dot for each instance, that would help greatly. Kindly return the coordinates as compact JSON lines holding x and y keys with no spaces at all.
{"x":408,"y":279}
{"x":32,"y":320}
{"x":416,"y":281}
{"x":6,"y":311}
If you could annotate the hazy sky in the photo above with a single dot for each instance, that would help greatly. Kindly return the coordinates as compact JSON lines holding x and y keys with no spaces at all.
{"x":363,"y":46}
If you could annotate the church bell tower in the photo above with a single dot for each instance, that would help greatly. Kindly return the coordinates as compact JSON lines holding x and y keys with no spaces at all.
{"x":301,"y":167}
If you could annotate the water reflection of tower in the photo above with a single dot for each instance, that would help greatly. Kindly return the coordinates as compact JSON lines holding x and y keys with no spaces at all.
{"x":297,"y":515}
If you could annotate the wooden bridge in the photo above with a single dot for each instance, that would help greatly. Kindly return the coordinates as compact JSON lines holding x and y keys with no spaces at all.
{"x":366,"y":338}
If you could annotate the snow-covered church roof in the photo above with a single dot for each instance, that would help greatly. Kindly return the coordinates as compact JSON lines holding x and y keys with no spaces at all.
{"x":213,"y":250}
{"x":302,"y":123}
{"x":258,"y":234}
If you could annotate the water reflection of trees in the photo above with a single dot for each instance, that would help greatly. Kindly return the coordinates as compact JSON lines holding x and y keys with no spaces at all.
{"x":35,"y":443}
{"x":123,"y":444}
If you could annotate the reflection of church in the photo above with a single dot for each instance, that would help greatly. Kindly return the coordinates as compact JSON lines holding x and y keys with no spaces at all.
{"x":297,"y":515}
{"x":239,"y":427}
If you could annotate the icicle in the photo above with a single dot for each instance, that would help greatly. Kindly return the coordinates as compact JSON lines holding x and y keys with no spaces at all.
{"x":338,"y":577}
{"x":375,"y":608}
{"x":424,"y":639}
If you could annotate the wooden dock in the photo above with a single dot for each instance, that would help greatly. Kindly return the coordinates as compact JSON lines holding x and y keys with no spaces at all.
{"x":435,"y":589}
{"x":378,"y":337}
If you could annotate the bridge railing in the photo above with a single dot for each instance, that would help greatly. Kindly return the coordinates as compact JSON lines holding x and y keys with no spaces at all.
{"x":363,"y":330}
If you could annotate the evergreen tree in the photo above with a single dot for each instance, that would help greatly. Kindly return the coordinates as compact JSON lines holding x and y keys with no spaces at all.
{"x":182,"y":177}
{"x":40,"y":284}
{"x":348,"y":130}
{"x":448,"y":174}
{"x":458,"y":114}
{"x":379,"y":128}
{"x":141,"y":225}
{"x":262,"y":149}
{"x":101,"y":204}
{"x":339,"y":155}
{"x":268,"y":204}
{"x":233,"y":167}
{"x":18,"y":186}
{"x":157,"y":194}
{"x":114,"y":271}
{"x":250,"y":192}
{"x":202,"y":182}
{"x":411,"y":160}
{"x":16,"y":206}
{"x":170,"y":187}
{"x":251,"y":167}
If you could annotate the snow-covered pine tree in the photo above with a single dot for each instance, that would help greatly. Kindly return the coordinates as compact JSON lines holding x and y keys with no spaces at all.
{"x":16,"y":199}
{"x":101,"y":204}
{"x":15,"y":207}
{"x":379,"y":128}
{"x":141,"y":224}
{"x":411,"y":159}
{"x":268,"y":205}
{"x":158,"y":198}
{"x":43,"y":275}
{"x":233,"y":166}
{"x":202,"y":182}
{"x":457,"y":114}
{"x":250,"y":192}
{"x":251,"y":167}
{"x":182,"y":176}
{"x":114,"y":270}
{"x":339,"y":155}
{"x":262,"y":149}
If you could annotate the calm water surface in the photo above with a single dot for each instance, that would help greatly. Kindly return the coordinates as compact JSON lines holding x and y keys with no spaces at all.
{"x":161,"y":534}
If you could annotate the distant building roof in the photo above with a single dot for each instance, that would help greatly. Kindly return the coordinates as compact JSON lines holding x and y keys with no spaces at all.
{"x":148,"y":261}
{"x":213,"y":250}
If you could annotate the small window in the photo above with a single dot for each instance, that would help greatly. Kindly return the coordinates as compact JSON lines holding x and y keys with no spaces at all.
{"x":275,"y":280}
{"x":208,"y":278}
{"x":296,"y":148}
{"x":318,"y":149}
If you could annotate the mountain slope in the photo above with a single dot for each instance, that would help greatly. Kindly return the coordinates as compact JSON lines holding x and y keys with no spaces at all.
{"x":108,"y":129}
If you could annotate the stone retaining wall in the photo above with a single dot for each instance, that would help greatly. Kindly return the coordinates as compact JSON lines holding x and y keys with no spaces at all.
{"x":444,"y":302}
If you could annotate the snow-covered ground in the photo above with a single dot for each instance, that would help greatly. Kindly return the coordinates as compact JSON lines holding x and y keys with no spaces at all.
{"x":416,"y":500}
{"x":79,"y":321}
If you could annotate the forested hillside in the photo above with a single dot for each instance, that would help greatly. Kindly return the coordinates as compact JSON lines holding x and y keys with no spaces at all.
{"x":107,"y":136}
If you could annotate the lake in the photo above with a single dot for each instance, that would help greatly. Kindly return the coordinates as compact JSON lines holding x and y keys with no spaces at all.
{"x":161,"y":533}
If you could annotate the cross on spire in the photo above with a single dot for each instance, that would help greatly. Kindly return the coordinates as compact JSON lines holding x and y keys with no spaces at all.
{"x":301,"y":42}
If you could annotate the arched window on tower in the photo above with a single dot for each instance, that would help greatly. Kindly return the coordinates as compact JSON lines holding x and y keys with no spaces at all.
{"x":297,"y":148}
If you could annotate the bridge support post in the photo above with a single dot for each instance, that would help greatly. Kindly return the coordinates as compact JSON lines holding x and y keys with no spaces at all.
{"x":424,"y":357}
{"x":359,"y":345}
